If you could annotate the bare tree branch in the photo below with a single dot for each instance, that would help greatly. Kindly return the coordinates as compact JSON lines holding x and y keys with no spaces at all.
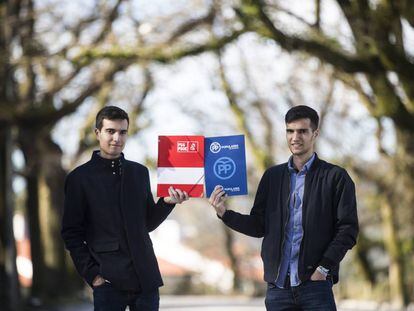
{"x":240,"y":116}
{"x":108,"y":21}
{"x":107,"y":24}
{"x":379,"y":135}
{"x":49,"y":115}
{"x":138,"y":107}
{"x":259,"y":104}
{"x":161,"y":54}
{"x":191,"y":24}
{"x":278,"y":7}
{"x":87,"y":137}
{"x":317,"y":24}
{"x":326,"y":50}
{"x":351,"y":81}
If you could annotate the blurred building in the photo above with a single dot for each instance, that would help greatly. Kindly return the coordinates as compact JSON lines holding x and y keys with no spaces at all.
{"x":187,"y":271}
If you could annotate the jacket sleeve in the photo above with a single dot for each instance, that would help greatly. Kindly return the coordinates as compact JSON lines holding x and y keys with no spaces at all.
{"x":346,"y":226}
{"x":74,"y":229}
{"x":156,"y":212}
{"x":254,"y":223}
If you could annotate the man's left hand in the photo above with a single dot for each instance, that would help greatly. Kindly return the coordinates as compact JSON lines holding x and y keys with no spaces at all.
{"x":317,"y":276}
{"x":176,"y":196}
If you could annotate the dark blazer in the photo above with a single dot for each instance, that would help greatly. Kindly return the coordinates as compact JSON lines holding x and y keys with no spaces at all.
{"x":329,"y":218}
{"x":97,"y":243}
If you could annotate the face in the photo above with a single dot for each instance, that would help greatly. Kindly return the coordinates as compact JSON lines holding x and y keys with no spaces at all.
{"x":300,"y":137}
{"x":112,"y":137}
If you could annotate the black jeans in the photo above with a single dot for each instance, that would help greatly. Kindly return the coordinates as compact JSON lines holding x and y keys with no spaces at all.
{"x":107,"y":298}
{"x":308,"y":296}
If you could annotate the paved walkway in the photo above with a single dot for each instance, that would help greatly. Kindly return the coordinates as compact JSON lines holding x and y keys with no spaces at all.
{"x":223,"y":303}
{"x":187,"y":303}
{"x":211,"y":303}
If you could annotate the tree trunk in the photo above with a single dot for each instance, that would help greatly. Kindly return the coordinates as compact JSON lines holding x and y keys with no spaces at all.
{"x":401,"y":205}
{"x":234,"y":263}
{"x":10,"y":299}
{"x":51,"y":196}
{"x":398,"y":290}
{"x":36,"y":246}
{"x":52,"y":276}
{"x":404,"y":164}
{"x":361,"y":256}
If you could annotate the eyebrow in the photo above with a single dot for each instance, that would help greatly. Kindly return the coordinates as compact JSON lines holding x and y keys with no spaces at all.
{"x":292,"y":130}
{"x":112,"y":129}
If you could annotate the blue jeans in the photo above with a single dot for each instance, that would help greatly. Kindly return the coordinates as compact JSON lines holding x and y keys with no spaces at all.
{"x":107,"y":298}
{"x":308,"y":296}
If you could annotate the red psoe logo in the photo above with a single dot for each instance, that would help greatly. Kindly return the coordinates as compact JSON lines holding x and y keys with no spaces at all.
{"x":187,"y":146}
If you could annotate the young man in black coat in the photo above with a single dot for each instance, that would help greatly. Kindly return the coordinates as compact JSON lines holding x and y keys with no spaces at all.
{"x":108,"y":212}
{"x":306,"y":212}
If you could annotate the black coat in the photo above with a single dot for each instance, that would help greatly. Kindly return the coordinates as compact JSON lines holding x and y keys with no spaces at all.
{"x":329,"y":218}
{"x":98,"y":244}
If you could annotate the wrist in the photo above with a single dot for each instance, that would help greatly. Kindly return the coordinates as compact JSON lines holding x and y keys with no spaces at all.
{"x":98,"y":280}
{"x":322,"y":270}
{"x":327,"y":263}
{"x":220,"y":212}
{"x":168,"y":200}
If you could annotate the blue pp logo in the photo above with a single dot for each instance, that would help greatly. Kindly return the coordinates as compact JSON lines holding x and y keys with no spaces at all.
{"x":215,"y":147}
{"x":224,"y":168}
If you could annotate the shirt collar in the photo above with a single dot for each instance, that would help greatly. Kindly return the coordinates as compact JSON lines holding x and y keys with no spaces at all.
{"x":111,"y":163}
{"x":305,"y":168}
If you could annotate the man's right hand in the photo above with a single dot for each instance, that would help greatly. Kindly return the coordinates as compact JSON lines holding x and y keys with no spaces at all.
{"x":98,"y":281}
{"x":217,"y":199}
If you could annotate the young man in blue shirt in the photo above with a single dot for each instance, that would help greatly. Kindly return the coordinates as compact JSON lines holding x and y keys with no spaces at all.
{"x":306,"y":212}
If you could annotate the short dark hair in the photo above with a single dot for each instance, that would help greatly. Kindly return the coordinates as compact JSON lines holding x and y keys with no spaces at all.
{"x":110,"y":113}
{"x":303,"y":112}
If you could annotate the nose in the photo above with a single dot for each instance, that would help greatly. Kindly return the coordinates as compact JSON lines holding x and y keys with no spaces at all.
{"x":115,"y":137}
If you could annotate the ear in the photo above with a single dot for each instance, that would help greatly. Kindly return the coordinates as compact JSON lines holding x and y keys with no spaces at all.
{"x":97,"y":132}
{"x":316,"y":133}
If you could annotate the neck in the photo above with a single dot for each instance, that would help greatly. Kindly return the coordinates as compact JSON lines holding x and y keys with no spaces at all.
{"x":300,"y":160}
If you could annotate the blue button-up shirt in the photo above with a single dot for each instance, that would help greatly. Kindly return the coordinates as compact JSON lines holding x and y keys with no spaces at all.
{"x":294,"y":228}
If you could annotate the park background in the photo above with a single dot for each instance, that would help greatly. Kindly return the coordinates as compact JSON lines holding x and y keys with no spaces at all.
{"x":213,"y":68}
